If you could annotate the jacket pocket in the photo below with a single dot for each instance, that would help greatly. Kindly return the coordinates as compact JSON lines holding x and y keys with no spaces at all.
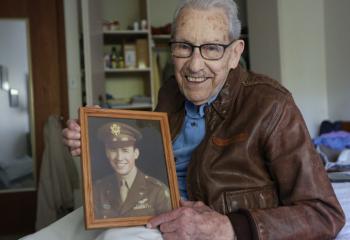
{"x":265,"y":197}
{"x":221,"y":142}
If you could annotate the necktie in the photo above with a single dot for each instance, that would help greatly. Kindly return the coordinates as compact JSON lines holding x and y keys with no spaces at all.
{"x":123,"y":190}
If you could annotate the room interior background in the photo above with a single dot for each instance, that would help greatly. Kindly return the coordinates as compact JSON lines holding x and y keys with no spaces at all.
{"x":303,"y":44}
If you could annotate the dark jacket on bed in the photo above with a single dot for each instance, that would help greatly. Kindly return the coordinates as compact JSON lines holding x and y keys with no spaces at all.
{"x":256,"y":163}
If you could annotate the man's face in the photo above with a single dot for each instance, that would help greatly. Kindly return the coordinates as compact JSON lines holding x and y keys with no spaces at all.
{"x":201,"y":79}
{"x":122,"y":159}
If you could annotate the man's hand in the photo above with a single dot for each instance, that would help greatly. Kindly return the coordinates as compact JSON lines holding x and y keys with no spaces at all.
{"x":193,"y":220}
{"x":71,"y":137}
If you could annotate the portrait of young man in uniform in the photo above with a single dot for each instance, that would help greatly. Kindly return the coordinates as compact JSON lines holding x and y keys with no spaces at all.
{"x":127,"y":192}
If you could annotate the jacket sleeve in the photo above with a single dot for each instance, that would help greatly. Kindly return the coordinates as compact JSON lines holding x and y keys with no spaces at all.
{"x":308,"y":207}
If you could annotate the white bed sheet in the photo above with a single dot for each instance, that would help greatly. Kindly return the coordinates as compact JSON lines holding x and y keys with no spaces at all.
{"x":342,"y":190}
{"x":71,"y":227}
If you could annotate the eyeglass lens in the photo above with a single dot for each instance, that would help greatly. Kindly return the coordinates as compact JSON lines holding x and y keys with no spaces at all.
{"x":208,"y":51}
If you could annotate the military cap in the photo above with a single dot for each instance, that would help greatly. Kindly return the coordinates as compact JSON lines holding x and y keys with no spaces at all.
{"x":118,"y":134}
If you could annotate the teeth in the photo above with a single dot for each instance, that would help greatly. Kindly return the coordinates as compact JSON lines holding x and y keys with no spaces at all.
{"x":196,"y":79}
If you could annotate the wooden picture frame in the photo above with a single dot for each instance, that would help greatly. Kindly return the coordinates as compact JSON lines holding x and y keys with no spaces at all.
{"x":114,"y":144}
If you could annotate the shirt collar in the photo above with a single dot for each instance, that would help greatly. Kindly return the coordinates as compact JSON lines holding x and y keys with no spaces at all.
{"x":130,"y":177}
{"x":195,"y":111}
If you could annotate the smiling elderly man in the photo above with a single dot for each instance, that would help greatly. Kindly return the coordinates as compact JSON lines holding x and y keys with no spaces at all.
{"x":244,"y":158}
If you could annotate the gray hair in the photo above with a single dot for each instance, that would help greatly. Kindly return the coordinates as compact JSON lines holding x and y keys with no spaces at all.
{"x":229,"y":7}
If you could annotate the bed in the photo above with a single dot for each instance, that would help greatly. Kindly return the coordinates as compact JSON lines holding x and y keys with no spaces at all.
{"x":342,"y":190}
{"x":16,"y":173}
{"x":71,"y":227}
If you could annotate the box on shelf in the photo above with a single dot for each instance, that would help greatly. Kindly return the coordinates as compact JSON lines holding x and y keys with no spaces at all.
{"x":130,"y":55}
{"x":142,"y":53}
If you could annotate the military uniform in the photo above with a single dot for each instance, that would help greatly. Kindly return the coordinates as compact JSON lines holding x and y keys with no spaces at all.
{"x":147,"y":196}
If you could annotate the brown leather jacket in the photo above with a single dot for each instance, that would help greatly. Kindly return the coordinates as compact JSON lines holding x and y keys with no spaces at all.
{"x":256,"y":163}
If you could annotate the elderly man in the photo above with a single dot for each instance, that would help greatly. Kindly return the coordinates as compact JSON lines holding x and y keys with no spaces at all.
{"x":128,"y":192}
{"x":244,"y":157}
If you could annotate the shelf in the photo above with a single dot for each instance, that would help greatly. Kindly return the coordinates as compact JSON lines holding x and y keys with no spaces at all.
{"x":130,"y":45}
{"x":112,"y":37}
{"x":133,"y":106}
{"x":161,"y":37}
{"x":126,"y":32}
{"x":126,"y":70}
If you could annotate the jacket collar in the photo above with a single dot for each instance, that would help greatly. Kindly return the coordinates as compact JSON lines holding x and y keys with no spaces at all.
{"x":229,"y":91}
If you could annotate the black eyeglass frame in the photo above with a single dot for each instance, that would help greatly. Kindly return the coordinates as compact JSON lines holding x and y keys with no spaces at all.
{"x":200,"y":48}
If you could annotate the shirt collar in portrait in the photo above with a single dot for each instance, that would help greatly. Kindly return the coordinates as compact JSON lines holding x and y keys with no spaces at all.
{"x":130,"y":177}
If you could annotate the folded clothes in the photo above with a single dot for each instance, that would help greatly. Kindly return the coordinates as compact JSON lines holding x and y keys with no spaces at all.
{"x":337,"y":140}
{"x":334,"y":160}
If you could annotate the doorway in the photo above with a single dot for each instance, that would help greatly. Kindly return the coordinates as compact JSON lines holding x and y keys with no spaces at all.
{"x":47,"y":74}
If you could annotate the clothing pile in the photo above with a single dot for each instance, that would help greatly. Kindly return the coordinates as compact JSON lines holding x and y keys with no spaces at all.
{"x":333,"y":145}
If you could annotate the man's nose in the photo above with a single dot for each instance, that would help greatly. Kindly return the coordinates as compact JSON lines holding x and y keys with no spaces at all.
{"x":120,"y":156}
{"x":196,"y":61}
{"x":114,"y":157}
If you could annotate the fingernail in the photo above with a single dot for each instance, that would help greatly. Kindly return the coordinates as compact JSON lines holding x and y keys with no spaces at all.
{"x":148,"y":225}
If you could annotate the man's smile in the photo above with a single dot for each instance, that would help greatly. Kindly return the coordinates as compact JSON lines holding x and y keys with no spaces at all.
{"x":192,"y":79}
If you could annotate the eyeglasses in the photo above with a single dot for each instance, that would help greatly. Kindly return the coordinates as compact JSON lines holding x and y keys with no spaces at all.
{"x":209,"y":51}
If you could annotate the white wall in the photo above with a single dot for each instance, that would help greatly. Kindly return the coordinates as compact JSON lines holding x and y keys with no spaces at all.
{"x":287,"y":42}
{"x":303,"y":57}
{"x":14,"y":122}
{"x":264,"y":49}
{"x":162,"y":11}
{"x":72,"y":31}
{"x":71,"y":19}
{"x":313,"y":38}
{"x":337,"y":20}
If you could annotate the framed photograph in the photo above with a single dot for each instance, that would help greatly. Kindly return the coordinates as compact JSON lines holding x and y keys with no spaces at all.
{"x":127,"y":166}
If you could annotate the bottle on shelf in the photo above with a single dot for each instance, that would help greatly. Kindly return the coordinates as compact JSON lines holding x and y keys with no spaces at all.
{"x":114,"y":58}
{"x":121,"y":63}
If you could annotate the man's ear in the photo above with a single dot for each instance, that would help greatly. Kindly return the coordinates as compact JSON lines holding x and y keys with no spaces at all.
{"x":136,"y":153}
{"x":236,"y":52}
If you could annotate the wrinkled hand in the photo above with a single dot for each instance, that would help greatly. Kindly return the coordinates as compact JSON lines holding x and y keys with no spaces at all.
{"x":193,"y":220}
{"x":71,"y":137}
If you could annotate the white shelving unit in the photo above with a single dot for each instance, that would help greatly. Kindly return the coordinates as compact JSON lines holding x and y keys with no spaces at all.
{"x":128,"y":82}
{"x":126,"y":32}
{"x":126,"y":70}
{"x":123,"y":83}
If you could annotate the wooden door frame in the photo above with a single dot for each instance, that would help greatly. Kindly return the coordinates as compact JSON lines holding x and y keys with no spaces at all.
{"x":50,"y":95}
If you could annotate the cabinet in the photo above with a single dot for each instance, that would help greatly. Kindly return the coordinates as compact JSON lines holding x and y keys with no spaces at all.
{"x":128,"y":79}
{"x":133,"y":80}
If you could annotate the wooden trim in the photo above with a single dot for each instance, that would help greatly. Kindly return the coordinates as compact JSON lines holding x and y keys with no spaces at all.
{"x":48,"y":67}
{"x":63,"y":62}
{"x":17,"y":211}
